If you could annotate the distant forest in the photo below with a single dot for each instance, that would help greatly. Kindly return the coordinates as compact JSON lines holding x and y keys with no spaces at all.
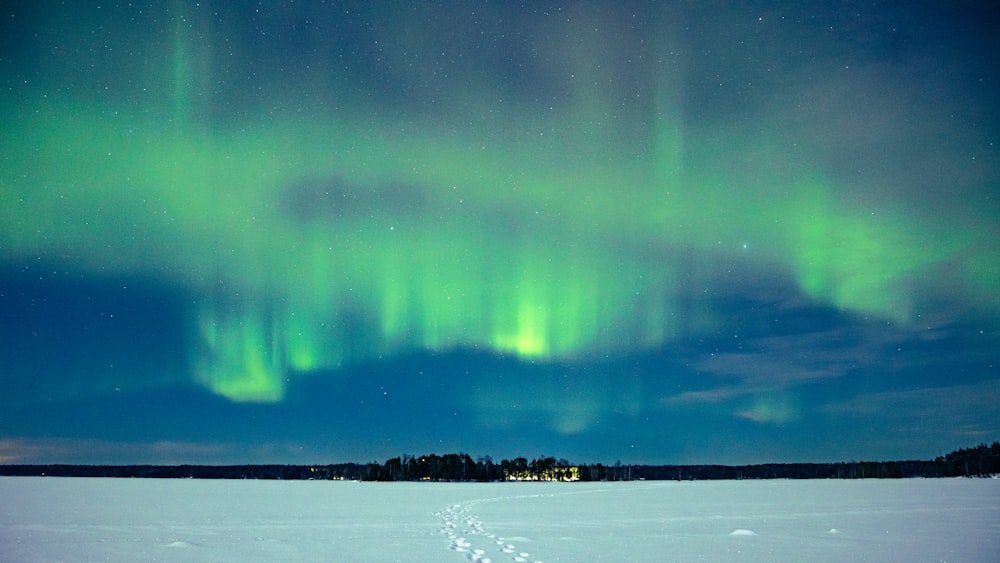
{"x":980,"y":461}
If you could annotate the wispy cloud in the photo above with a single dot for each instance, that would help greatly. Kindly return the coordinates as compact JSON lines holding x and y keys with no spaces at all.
{"x":758,"y":375}
{"x":85,"y":451}
{"x":947,"y":405}
{"x":768,"y":363}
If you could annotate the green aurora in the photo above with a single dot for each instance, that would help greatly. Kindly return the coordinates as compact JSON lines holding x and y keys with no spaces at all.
{"x":314,"y":237}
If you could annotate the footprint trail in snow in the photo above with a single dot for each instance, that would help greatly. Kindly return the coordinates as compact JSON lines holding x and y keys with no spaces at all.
{"x":467,"y":536}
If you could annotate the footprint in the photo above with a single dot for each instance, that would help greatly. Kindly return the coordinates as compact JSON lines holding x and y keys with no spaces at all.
{"x":460,"y":545}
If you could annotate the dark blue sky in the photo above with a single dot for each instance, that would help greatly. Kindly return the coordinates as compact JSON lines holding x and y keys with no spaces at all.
{"x":656,"y":232}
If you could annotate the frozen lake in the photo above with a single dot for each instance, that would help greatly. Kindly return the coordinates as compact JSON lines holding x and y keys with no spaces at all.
{"x":80,"y":519}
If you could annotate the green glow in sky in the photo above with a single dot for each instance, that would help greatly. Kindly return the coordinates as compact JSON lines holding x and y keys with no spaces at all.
{"x":314,"y":237}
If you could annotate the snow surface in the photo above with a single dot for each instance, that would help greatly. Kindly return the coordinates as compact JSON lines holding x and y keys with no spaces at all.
{"x":79,"y":519}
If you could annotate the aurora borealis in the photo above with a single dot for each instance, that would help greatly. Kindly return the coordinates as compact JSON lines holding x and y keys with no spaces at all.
{"x":666,"y":232}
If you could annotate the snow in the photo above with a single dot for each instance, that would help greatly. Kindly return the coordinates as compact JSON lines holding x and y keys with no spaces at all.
{"x":79,"y":519}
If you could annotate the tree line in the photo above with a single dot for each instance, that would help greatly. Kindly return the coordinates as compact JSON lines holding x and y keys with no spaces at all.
{"x":979,"y":461}
{"x":461,"y":467}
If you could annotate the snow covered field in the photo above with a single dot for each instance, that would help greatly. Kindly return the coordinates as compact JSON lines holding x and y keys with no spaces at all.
{"x":78,"y":519}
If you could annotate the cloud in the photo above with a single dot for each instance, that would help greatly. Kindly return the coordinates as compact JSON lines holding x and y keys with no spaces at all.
{"x":67,"y":450}
{"x":932,"y":419}
{"x":770,"y":408}
{"x":707,"y":396}
{"x":774,"y":359}
{"x":951,"y":405}
{"x":769,"y":342}
{"x":160,"y":452}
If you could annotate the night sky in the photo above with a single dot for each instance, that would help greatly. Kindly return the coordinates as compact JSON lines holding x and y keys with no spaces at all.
{"x":677,"y":232}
